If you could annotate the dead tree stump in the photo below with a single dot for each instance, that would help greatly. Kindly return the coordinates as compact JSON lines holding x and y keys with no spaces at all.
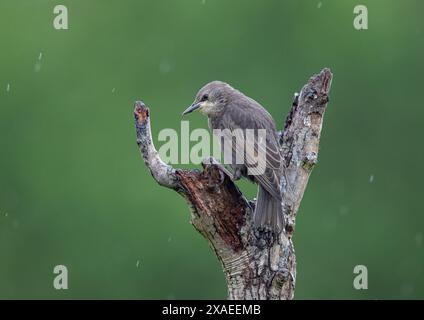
{"x":257,"y":264}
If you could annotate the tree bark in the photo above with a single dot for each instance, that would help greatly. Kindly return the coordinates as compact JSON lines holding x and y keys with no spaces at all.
{"x":257,"y":263}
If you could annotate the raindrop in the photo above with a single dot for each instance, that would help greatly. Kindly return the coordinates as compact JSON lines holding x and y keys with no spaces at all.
{"x":169,"y":239}
{"x":138,"y":263}
{"x":319,"y":5}
{"x":8,"y":87}
{"x":371,"y":178}
{"x":37,"y":66}
{"x":113,"y":90}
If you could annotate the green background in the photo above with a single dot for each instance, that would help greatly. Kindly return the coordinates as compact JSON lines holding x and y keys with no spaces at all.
{"x":74,"y":190}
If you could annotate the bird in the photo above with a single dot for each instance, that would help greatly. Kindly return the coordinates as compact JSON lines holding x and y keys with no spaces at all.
{"x":228,"y":108}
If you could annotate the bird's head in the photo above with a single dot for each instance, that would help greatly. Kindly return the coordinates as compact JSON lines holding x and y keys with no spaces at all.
{"x":212,"y":98}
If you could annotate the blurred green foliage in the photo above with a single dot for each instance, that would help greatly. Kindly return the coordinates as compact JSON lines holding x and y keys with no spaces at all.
{"x":74,"y":191}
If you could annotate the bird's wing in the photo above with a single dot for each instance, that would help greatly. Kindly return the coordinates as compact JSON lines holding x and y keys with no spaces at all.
{"x":247,"y":115}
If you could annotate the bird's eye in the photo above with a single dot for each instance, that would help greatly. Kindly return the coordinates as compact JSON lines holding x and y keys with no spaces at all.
{"x":205,"y":97}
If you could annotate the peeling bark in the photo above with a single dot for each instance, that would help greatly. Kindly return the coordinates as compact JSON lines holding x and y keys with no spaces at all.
{"x":257,"y":263}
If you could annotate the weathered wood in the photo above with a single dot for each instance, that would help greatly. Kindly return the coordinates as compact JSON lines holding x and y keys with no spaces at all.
{"x":257,"y":263}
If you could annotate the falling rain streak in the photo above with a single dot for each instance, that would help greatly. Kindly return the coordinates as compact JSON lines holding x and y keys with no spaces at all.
{"x":37,"y":66}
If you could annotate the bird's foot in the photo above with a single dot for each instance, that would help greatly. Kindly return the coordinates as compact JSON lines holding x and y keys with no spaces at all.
{"x":220,"y":166}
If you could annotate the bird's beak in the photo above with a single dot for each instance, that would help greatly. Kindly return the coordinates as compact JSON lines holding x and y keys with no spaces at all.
{"x":193,"y":107}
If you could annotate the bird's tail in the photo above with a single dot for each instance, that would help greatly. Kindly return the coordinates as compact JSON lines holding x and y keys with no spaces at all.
{"x":268,"y":211}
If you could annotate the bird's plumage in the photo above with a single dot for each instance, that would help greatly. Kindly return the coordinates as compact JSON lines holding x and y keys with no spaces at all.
{"x":242,"y":113}
{"x":228,"y":108}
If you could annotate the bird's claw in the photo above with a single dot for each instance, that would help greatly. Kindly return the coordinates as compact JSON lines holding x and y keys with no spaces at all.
{"x":221,"y":167}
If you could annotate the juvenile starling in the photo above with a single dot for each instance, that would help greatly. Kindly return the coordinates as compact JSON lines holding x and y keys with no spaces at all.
{"x":228,"y":108}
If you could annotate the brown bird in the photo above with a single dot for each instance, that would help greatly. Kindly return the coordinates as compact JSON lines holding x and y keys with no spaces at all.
{"x":228,"y":108}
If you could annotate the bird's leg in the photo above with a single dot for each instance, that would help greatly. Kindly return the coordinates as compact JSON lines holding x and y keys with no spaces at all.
{"x":237,"y":174}
{"x":221,"y":167}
